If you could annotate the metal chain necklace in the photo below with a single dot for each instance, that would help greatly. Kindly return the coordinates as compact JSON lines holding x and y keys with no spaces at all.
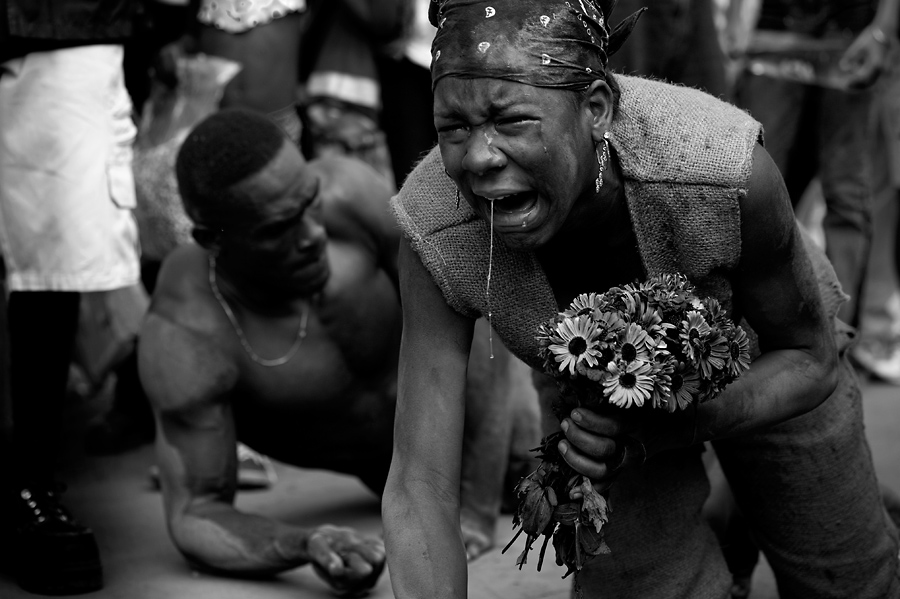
{"x":301,"y":333}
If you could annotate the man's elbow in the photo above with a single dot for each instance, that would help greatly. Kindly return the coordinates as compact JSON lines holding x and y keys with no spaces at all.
{"x":194,"y":538}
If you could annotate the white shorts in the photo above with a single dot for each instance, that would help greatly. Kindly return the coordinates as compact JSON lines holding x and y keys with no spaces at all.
{"x":237,"y":16}
{"x":67,"y":191}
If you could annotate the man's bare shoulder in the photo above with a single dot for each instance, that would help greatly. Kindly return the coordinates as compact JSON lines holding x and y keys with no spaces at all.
{"x":183,"y":295}
{"x":356,"y":200}
{"x":183,"y":353}
{"x":346,"y":178}
{"x":353,"y":188}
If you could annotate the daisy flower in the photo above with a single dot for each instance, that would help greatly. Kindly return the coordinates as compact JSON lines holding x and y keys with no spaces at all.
{"x":715,"y":313}
{"x":636,"y":344}
{"x":584,"y":304}
{"x":693,"y":331}
{"x":610,"y":324}
{"x":738,"y":352}
{"x":713,"y":354}
{"x":629,"y":384}
{"x":575,"y":340}
{"x":685,"y":386}
{"x":652,"y":321}
{"x":663,"y":365}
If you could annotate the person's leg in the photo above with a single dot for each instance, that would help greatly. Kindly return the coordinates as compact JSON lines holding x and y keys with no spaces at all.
{"x":657,"y":42}
{"x":52,"y":553}
{"x":808,"y":490}
{"x":526,"y":431}
{"x":406,"y":113}
{"x":42,"y":326}
{"x":486,"y":442}
{"x":662,"y":546}
{"x":781,"y":107}
{"x":845,"y":136}
{"x":702,"y":61}
{"x":65,"y":227}
{"x":269,"y":55}
{"x":5,"y":405}
{"x":731,"y":528}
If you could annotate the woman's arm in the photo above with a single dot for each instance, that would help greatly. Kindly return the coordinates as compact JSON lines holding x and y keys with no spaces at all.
{"x":776,"y":290}
{"x":421,"y":499}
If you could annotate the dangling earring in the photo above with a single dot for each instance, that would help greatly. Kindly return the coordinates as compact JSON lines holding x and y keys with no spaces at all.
{"x":602,"y":159}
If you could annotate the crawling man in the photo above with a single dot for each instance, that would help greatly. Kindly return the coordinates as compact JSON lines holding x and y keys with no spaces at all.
{"x":281,"y":328}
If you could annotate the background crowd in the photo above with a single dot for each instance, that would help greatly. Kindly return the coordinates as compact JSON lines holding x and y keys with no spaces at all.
{"x":97,"y":104}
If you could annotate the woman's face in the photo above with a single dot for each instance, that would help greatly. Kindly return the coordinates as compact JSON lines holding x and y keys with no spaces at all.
{"x":527,"y":151}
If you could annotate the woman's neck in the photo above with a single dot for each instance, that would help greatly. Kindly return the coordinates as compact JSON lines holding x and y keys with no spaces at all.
{"x":601,"y":218}
{"x":598,"y":250}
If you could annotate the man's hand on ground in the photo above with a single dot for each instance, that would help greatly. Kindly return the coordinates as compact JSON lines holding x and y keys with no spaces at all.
{"x":348,"y":561}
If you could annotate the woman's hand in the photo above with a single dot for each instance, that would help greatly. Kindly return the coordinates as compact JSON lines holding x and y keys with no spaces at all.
{"x":599,"y":445}
{"x":591,"y":446}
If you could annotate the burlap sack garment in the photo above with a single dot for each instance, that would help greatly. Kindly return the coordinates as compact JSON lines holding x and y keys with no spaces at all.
{"x":686,"y":158}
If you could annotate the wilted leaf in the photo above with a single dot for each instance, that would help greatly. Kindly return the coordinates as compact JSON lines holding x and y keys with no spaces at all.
{"x":594,"y":505}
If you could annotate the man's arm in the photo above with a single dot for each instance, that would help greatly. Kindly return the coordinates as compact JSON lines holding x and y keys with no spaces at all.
{"x":421,"y":499}
{"x":187,"y":382}
{"x":775,"y":289}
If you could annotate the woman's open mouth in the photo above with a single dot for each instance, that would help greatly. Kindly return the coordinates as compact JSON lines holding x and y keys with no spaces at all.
{"x":513,"y":210}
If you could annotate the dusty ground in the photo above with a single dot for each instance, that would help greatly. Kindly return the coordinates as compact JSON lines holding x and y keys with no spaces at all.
{"x":115,"y":496}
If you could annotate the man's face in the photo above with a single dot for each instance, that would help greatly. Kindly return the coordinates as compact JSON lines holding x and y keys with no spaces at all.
{"x":524,"y":151}
{"x":284,"y":242}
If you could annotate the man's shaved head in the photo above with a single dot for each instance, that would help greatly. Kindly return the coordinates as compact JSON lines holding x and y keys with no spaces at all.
{"x":224,"y":149}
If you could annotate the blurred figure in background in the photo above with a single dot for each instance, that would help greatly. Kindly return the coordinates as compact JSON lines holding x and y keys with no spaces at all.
{"x":406,"y":114}
{"x":678,"y":42}
{"x":821,"y":124}
{"x":264,"y":37}
{"x":342,"y":92}
{"x":878,"y":350}
{"x":66,"y":227}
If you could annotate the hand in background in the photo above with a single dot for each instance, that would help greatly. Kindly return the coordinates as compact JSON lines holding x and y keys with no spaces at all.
{"x":866,"y":58}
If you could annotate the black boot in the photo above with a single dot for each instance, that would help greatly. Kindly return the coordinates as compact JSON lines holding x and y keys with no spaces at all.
{"x":50,"y":552}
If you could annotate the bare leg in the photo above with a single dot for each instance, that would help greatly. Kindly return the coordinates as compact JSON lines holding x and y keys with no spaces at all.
{"x":499,"y":398}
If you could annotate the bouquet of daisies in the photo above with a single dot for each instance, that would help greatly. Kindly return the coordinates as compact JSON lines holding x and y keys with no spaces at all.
{"x":651,"y":345}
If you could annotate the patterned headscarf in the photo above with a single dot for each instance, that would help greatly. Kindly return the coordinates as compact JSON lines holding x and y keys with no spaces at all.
{"x":563,"y":44}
